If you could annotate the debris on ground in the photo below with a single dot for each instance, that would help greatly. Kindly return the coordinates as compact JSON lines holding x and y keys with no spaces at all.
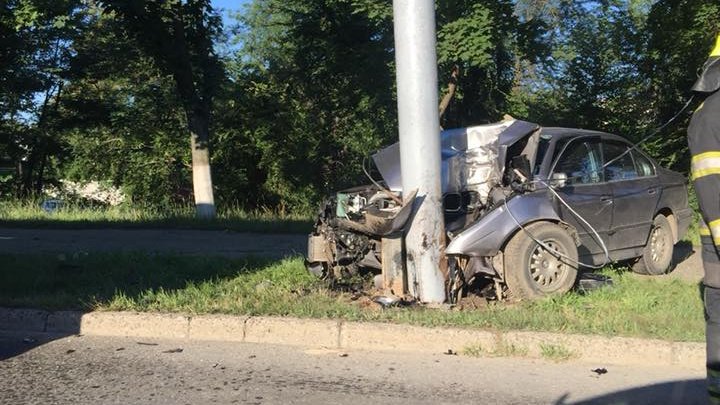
{"x":387,"y":301}
{"x":178,"y":350}
{"x":471,"y":302}
{"x":588,"y":282}
{"x":599,"y":371}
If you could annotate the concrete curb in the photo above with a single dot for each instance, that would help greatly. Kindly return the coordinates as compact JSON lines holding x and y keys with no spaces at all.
{"x":353,"y":335}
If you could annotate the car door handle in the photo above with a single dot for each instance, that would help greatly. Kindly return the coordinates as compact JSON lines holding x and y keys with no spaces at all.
{"x":652,"y":191}
{"x":606,"y":198}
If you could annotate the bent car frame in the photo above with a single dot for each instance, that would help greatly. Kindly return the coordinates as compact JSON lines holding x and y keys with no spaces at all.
{"x":525,"y":207}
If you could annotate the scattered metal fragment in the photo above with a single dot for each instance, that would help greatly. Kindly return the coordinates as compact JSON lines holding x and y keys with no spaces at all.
{"x":588,"y":282}
{"x":119,"y":349}
{"x":386,"y":301}
{"x":178,"y":350}
{"x":147,"y":344}
{"x":342,"y":354}
{"x":70,"y":351}
{"x":599,"y":371}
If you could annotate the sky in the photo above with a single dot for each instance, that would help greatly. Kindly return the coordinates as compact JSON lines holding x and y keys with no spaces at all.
{"x":228,"y":5}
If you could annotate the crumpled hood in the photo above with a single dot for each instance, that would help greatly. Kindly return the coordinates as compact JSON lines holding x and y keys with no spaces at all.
{"x":472,"y":158}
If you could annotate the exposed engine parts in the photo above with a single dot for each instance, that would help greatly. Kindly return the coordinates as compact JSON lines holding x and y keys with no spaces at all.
{"x":513,"y":212}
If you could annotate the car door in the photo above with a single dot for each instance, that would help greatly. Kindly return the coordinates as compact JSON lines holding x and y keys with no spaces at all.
{"x":585,"y":192}
{"x":635,"y":194}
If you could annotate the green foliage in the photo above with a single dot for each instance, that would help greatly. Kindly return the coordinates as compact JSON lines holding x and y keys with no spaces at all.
{"x":110,"y":90}
{"x":487,"y":40}
{"x":680,"y":37}
{"x":468,"y":39}
{"x":123,"y":118}
{"x":314,"y":99}
{"x":34,"y":57}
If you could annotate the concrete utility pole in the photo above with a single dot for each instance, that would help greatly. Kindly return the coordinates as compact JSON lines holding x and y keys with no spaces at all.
{"x":416,"y":59}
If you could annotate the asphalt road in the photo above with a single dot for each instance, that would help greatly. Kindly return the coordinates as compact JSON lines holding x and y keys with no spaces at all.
{"x":214,"y":243}
{"x":175,"y":241}
{"x":94,"y":370}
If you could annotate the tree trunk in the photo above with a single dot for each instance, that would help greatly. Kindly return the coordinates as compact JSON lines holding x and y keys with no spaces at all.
{"x":452,"y":86}
{"x":197,"y":111}
{"x":202,"y":176}
{"x":40,"y":180}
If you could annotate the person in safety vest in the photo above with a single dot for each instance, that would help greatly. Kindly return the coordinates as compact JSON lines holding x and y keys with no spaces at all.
{"x":704,"y":142}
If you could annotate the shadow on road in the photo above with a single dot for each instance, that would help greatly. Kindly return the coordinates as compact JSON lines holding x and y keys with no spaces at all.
{"x":683,"y":392}
{"x":14,"y":344}
{"x":79,"y":284}
{"x":683,"y":250}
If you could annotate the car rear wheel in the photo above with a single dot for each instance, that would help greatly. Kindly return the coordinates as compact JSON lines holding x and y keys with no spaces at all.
{"x":658,"y":252}
{"x":534,"y":271}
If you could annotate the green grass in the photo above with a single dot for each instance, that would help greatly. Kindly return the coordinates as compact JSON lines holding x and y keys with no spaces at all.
{"x":641,"y":307}
{"x":503,"y":350}
{"x":556,"y":352}
{"x":29,"y":214}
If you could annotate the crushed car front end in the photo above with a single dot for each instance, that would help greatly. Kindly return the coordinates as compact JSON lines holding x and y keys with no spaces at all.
{"x":483,"y":169}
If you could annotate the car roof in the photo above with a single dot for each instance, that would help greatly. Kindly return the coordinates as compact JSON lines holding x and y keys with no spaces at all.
{"x":560,"y":133}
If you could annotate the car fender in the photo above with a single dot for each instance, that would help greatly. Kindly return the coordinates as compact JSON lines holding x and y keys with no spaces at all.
{"x":488,"y":235}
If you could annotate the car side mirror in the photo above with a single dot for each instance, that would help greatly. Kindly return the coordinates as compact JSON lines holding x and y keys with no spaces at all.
{"x":558,"y":180}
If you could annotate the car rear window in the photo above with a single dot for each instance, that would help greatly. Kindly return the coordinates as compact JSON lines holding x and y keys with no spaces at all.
{"x":643,"y":165}
{"x":619,"y":165}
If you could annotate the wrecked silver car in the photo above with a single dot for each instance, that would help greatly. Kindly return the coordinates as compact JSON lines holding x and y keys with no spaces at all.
{"x":525,"y":208}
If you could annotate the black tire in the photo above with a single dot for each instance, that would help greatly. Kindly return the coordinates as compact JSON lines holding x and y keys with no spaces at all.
{"x":658,"y":252}
{"x":533,"y":272}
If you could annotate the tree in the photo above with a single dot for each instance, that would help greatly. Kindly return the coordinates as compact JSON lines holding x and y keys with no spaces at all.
{"x":318,"y":82}
{"x":34,"y":55}
{"x":680,"y":36}
{"x":487,"y":40}
{"x":317,"y":96}
{"x":179,"y":36}
{"x":120,"y":116}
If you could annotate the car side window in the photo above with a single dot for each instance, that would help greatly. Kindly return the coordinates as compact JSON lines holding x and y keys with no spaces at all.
{"x":643,"y":165}
{"x":619,"y":163}
{"x":580,"y":162}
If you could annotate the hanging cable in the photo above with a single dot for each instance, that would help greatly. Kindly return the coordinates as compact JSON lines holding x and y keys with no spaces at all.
{"x":576,"y":214}
{"x":555,"y":252}
{"x":381,"y":188}
{"x":657,"y":131}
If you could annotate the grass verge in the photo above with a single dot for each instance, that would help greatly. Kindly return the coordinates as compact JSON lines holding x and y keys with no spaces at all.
{"x":504,"y":350}
{"x":29,"y":214}
{"x":653,"y":308}
{"x":556,"y":353}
